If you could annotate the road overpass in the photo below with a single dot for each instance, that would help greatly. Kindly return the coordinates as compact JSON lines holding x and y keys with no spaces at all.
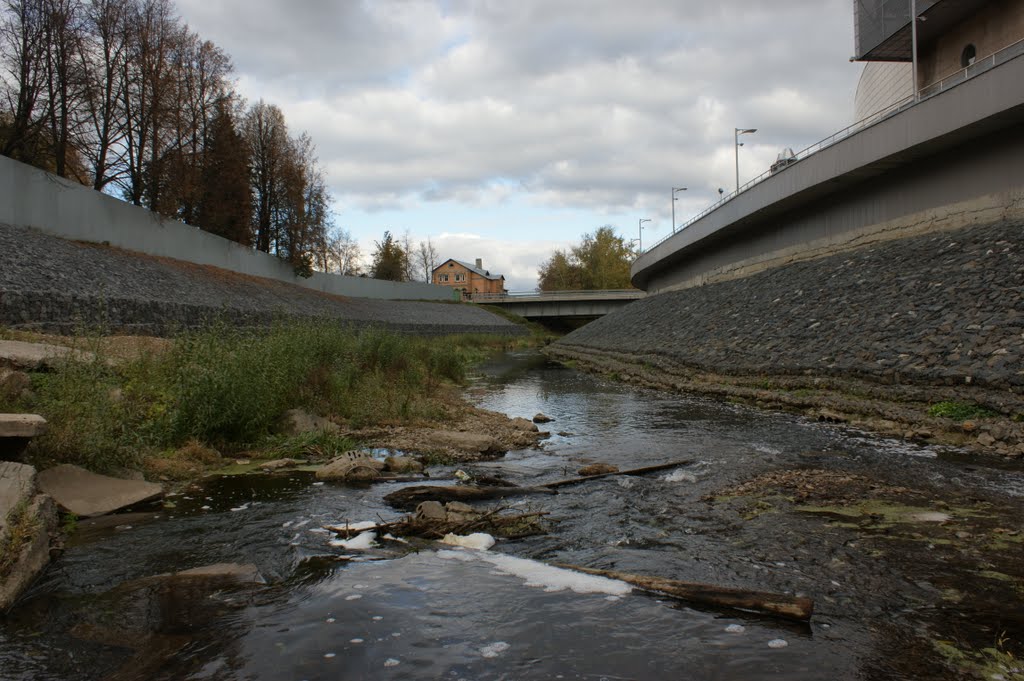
{"x":947,"y":159}
{"x":560,"y":305}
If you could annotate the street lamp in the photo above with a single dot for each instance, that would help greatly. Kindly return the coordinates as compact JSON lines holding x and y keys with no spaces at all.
{"x":640,"y":233}
{"x":736,"y":141}
{"x":674,"y":190}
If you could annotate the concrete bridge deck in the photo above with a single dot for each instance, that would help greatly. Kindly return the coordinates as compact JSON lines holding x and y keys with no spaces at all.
{"x":560,"y":304}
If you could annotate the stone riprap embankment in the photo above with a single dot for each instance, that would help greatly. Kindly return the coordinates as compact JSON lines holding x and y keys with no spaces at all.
{"x":54,"y":285}
{"x":930,"y":318}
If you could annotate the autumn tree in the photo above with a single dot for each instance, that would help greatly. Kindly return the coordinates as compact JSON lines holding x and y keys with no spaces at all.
{"x":389,"y":260}
{"x":225,"y":202}
{"x":602,"y":260}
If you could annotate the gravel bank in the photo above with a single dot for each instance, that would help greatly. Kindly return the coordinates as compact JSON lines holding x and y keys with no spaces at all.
{"x":54,"y":285}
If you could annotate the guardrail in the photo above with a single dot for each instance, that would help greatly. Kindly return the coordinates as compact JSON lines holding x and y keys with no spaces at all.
{"x":1000,"y":57}
{"x":522,"y":296}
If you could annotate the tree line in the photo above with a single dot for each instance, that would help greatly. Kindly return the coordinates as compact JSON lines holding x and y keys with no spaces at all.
{"x":600,"y":261}
{"x":122,"y":96}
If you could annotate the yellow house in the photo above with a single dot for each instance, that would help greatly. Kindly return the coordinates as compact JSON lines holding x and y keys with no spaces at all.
{"x":468,"y":279}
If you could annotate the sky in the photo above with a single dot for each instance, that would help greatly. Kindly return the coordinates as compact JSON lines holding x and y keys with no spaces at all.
{"x":506,"y":129}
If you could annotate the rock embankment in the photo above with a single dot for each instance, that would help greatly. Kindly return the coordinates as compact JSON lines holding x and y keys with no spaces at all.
{"x":922,"y":320}
{"x":55,"y":285}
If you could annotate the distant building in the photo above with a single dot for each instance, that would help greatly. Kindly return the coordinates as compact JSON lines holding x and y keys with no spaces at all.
{"x":468,"y":279}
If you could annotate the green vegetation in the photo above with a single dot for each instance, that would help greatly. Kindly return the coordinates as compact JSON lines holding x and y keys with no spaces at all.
{"x":21,"y":525}
{"x":959,"y":411}
{"x":228,"y":388}
{"x":995,"y":662}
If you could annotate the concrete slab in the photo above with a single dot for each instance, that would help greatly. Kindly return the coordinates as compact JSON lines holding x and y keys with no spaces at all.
{"x":87,"y":494}
{"x":33,"y":356}
{"x":21,"y":425}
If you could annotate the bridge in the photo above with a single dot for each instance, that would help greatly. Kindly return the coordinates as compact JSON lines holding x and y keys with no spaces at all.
{"x":560,"y":305}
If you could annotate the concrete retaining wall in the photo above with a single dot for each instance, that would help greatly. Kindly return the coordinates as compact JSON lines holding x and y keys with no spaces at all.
{"x":30,"y":197}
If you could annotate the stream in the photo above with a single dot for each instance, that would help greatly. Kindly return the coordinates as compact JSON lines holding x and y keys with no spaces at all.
{"x":891,"y":598}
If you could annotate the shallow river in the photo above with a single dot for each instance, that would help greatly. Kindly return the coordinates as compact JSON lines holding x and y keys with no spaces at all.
{"x":326,"y":612}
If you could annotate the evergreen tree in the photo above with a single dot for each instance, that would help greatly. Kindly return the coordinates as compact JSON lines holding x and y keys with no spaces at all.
{"x":389,"y":260}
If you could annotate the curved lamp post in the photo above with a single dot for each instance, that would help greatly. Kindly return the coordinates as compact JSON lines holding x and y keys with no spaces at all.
{"x":674,"y":190}
{"x":640,"y":233}
{"x":737,"y":144}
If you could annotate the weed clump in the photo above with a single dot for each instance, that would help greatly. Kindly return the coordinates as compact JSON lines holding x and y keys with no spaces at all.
{"x":959,"y":411}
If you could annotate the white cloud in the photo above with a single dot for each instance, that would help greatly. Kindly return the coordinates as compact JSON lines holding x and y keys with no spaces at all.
{"x":595,"y":106}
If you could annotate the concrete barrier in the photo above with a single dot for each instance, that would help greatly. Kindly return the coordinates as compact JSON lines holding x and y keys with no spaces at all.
{"x":30,"y":197}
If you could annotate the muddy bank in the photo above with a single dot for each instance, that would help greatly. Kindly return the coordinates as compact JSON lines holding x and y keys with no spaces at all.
{"x":921,"y":336}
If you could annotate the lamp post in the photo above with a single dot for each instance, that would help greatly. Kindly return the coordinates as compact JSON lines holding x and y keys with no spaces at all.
{"x":674,"y":190}
{"x":913,"y":44}
{"x":640,"y":233}
{"x":737,"y":144}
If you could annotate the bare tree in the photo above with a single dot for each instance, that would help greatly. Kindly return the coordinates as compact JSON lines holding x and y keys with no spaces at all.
{"x":23,"y":50}
{"x":343,"y":254}
{"x":409,"y":268}
{"x":104,"y":58}
{"x":426,"y":259}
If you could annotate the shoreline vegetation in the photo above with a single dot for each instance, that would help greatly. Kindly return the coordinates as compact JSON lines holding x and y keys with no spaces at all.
{"x":179,"y":408}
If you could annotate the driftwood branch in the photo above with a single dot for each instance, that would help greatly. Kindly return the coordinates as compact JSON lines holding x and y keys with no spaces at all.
{"x":779,"y":605}
{"x":633,"y":471}
{"x":410,"y":497}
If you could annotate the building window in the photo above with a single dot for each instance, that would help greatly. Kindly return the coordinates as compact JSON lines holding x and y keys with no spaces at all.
{"x":460,"y":277}
{"x":968,"y":56}
{"x":444,"y":277}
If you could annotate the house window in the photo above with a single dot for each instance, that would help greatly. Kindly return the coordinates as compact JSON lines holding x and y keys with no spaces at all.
{"x":444,"y":277}
{"x":460,"y":277}
{"x":968,"y":56}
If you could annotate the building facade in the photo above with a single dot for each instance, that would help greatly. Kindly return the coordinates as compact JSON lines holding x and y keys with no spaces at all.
{"x":468,"y":279}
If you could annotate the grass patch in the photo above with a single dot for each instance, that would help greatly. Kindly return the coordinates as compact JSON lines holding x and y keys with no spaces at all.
{"x":228,"y":388}
{"x":21,"y":526}
{"x":959,"y":411}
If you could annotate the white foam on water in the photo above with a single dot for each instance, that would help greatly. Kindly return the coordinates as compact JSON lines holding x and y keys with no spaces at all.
{"x":555,"y":579}
{"x":735,"y":628}
{"x":778,"y":643}
{"x":479,"y":541}
{"x":353,"y":597}
{"x":391,"y":662}
{"x":494,"y":649}
{"x":680,"y":476}
{"x":359,"y":543}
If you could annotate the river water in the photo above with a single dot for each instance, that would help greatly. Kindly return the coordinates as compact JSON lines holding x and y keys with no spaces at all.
{"x":327,"y":612}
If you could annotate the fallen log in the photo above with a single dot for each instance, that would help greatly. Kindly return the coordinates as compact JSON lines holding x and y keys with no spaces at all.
{"x":410,"y":497}
{"x":509,"y":527}
{"x":633,"y":471}
{"x":779,"y":605}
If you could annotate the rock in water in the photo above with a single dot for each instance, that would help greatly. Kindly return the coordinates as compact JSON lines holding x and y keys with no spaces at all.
{"x":403,"y":465}
{"x":87,"y":494}
{"x":352,"y":466}
{"x":541,"y":418}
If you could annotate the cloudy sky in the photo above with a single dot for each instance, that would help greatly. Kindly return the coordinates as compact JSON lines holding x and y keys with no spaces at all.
{"x":503,"y":129}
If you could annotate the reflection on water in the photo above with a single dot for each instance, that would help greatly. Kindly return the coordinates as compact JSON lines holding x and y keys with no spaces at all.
{"x":396,"y":613}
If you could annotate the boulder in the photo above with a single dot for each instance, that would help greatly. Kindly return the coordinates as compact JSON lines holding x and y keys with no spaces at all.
{"x":403,"y":465}
{"x":541,"y":418}
{"x":525,"y":425}
{"x":352,"y":466}
{"x":478,"y":443}
{"x":431,"y":510}
{"x":598,"y":469}
{"x":14,"y":384}
{"x":299,"y":422}
{"x":87,"y":494}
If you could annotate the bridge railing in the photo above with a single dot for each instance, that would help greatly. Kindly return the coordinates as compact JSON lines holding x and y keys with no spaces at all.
{"x":523,"y":296}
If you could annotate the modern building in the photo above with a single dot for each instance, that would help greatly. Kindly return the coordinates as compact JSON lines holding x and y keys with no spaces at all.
{"x":468,"y":279}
